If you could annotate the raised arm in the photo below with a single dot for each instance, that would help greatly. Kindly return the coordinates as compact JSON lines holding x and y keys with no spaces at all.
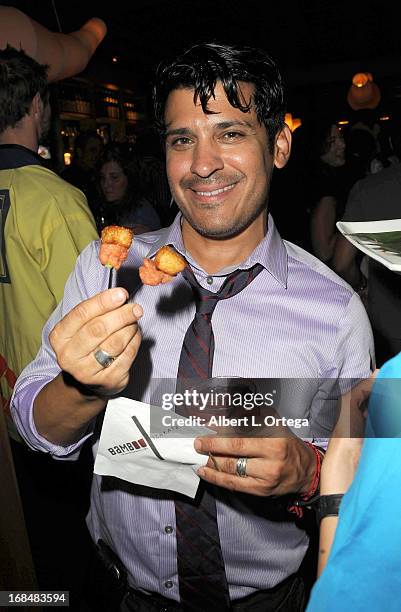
{"x":345,"y":263}
{"x":345,"y":255}
{"x":341,"y":460}
{"x":66,"y":405}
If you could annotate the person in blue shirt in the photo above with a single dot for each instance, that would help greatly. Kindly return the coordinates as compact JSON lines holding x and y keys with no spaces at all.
{"x":363,"y":569}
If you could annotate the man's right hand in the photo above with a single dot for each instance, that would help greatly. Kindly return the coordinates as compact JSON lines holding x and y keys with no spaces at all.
{"x":106,"y":322}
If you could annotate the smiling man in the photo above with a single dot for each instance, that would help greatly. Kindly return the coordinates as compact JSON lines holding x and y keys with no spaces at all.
{"x":248,"y":306}
{"x":220,"y":164}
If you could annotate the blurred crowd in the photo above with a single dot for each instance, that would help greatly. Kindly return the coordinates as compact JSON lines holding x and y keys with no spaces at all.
{"x":346,"y":172}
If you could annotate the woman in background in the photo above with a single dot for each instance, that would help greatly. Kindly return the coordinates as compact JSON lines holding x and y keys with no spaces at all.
{"x":122,"y":201}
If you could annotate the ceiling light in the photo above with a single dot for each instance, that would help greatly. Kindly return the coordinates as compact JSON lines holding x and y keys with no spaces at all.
{"x":363,"y":93}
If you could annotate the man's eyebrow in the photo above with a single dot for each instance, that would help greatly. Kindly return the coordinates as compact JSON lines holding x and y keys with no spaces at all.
{"x":221,"y":125}
{"x":177,"y":132}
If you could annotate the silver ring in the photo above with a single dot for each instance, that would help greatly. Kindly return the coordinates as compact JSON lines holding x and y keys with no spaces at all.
{"x":241,"y":466}
{"x":103,"y":358}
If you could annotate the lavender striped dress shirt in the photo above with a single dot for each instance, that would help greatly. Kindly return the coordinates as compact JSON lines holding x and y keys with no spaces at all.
{"x":296,"y":320}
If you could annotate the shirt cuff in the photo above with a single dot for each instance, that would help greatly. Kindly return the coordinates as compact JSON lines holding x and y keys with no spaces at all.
{"x":22,"y":414}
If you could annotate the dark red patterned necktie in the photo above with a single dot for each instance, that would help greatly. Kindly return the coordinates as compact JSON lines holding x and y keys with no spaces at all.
{"x":202,"y":579}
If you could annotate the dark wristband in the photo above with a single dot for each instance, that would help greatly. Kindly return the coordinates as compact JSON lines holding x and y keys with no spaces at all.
{"x":328,"y":505}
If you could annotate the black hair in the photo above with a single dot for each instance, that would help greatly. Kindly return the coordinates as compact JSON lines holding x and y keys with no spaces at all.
{"x":393,"y":132}
{"x":368,"y":116}
{"x":201,"y":66}
{"x":313,"y":137}
{"x":21,"y":78}
{"x":361,"y":143}
{"x":120,"y":154}
{"x":84,"y":137}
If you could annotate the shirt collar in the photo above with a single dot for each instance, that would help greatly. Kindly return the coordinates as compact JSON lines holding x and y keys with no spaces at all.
{"x":16,"y":156}
{"x":270,"y":252}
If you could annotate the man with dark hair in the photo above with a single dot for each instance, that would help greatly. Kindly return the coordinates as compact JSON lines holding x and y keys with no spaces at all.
{"x":44,"y":224}
{"x":247,"y":305}
{"x":23,"y":80}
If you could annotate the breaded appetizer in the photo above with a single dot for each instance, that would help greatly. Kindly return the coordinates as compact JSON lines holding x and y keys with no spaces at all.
{"x":115,"y":243}
{"x":163,"y":268}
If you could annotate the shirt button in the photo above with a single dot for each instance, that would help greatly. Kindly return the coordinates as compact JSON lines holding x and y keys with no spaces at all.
{"x":168,"y":529}
{"x":168,"y":584}
{"x":209,"y":280}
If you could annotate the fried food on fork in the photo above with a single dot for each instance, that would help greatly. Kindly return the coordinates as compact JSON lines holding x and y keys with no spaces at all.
{"x":165,"y":266}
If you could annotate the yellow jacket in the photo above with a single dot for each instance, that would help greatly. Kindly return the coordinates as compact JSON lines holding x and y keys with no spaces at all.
{"x":44,"y":225}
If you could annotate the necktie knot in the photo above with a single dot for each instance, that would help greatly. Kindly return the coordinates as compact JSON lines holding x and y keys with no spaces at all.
{"x":205,"y":304}
{"x":234,"y":283}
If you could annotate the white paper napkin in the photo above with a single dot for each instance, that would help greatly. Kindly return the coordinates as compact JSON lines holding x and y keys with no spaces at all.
{"x":163,"y":459}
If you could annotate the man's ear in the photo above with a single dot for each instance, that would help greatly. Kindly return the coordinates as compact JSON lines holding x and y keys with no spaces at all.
{"x":282,"y":147}
{"x":37,"y":105}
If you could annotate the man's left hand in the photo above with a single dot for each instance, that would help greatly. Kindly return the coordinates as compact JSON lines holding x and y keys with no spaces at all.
{"x":274,"y":466}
